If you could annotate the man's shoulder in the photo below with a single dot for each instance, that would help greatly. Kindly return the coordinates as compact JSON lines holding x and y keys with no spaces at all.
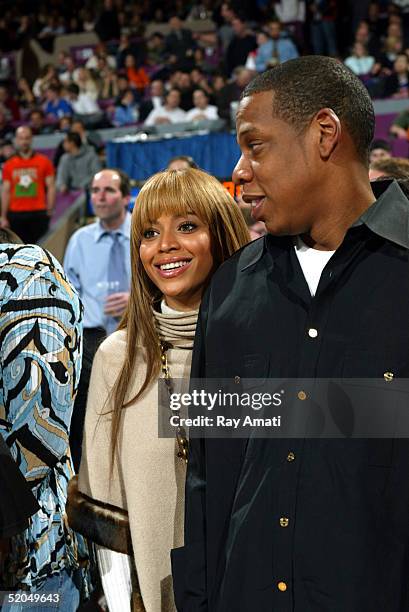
{"x":245,"y":256}
{"x":249,"y":255}
{"x":84,"y":233}
{"x":11,"y":162}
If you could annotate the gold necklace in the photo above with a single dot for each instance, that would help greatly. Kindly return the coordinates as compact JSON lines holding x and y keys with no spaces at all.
{"x":180,"y":432}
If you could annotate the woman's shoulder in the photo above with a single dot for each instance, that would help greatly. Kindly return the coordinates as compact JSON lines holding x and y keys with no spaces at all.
{"x":113,"y":346}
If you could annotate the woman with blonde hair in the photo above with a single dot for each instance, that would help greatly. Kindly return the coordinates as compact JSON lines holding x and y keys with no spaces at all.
{"x":184,"y":225}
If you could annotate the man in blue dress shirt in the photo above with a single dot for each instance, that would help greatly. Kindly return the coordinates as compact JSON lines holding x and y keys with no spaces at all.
{"x":97,"y":262}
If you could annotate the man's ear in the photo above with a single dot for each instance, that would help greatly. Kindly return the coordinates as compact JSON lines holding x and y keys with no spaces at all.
{"x":329,"y":131}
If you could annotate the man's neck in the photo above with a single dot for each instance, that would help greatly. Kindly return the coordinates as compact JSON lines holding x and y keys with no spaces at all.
{"x":26,"y":154}
{"x":328,"y":232}
{"x":114,"y":224}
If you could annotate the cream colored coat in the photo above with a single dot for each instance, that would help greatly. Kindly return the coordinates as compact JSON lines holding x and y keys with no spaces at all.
{"x":148,"y":479}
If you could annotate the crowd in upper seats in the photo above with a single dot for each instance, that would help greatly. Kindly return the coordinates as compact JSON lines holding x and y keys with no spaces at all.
{"x":138,"y":75}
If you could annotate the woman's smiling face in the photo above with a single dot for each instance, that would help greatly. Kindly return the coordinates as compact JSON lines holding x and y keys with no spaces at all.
{"x":176,"y":253}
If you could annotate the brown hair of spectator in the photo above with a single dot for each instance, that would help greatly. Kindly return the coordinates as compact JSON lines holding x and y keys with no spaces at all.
{"x":7,"y":236}
{"x":392,"y":167}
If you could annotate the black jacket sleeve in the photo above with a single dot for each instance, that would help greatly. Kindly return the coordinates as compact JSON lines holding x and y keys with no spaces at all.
{"x":17,"y":503}
{"x":189,"y":562}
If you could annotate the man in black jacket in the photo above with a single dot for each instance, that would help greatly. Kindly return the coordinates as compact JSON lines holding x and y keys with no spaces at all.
{"x":304,"y":524}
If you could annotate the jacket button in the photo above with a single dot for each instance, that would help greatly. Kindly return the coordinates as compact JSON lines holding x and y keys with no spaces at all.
{"x":312,"y":332}
{"x":237,"y":379}
{"x":284,"y":521}
{"x":302,"y":395}
{"x":290,"y":457}
{"x":282,"y":586}
{"x":388,"y":376}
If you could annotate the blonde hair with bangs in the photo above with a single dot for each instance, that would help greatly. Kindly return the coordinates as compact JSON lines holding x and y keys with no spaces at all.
{"x":172,"y":192}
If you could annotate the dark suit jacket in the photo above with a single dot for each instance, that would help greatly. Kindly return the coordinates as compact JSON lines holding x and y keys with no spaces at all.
{"x":17,"y":503}
{"x":301,"y":525}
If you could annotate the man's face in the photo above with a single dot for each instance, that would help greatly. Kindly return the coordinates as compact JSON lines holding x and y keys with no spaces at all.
{"x":37,"y":120}
{"x":377,"y":154}
{"x":23,"y":140}
{"x":275,"y":30}
{"x":106,"y":197}
{"x":199,"y":99}
{"x":173,"y":99}
{"x":277,"y":168}
{"x":157,"y":89}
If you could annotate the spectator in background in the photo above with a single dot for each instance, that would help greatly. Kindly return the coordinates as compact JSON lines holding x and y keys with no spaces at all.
{"x":283,"y":48}
{"x":181,"y":162}
{"x":97,"y":262}
{"x":86,"y":82}
{"x":28,"y":191}
{"x":260,"y":58}
{"x":291,"y":14}
{"x":400,"y":125}
{"x":202,"y":109}
{"x":359,"y":61}
{"x":137,"y":77}
{"x":397,"y":84}
{"x":154,"y":101}
{"x":100,"y":52}
{"x":392,"y":167}
{"x":242,"y":43}
{"x":71,"y":70}
{"x":109,"y":83}
{"x":84,"y":106}
{"x":88,"y":139}
{"x":6,"y":129}
{"x":185,"y":87}
{"x":25,"y":95}
{"x":9,"y":102}
{"x":379,"y":149}
{"x":127,"y":48}
{"x":107,"y":25}
{"x":54,"y":27}
{"x":7,"y":151}
{"x":225,"y":30}
{"x":170,"y":112}
{"x":367,"y":38}
{"x":55,"y":106}
{"x":231,"y":92}
{"x":48,"y":76}
{"x":41,"y":363}
{"x":126,"y":112}
{"x":38,"y":124}
{"x":322,"y":27}
{"x":77,"y":166}
{"x":179,"y":44}
{"x":155,"y":50}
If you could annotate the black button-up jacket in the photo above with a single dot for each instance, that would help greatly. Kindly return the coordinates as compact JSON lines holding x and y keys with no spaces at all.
{"x":303,"y":525}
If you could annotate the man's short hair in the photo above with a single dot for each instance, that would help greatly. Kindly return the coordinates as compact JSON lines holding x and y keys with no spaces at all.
{"x":74,"y":138}
{"x":124,"y":181}
{"x":304,"y":85}
{"x":186,"y":158}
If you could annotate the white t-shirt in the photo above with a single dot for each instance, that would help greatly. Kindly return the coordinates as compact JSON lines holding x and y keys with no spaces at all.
{"x":210,"y":112}
{"x":176,"y":115}
{"x":312,"y":262}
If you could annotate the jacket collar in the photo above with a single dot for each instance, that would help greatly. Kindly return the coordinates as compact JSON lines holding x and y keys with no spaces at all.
{"x":387,"y":217}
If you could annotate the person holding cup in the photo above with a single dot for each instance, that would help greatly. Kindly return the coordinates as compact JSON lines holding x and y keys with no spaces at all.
{"x":97,"y":262}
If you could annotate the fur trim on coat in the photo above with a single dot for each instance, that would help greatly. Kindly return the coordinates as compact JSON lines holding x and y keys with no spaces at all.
{"x":102,"y":523}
